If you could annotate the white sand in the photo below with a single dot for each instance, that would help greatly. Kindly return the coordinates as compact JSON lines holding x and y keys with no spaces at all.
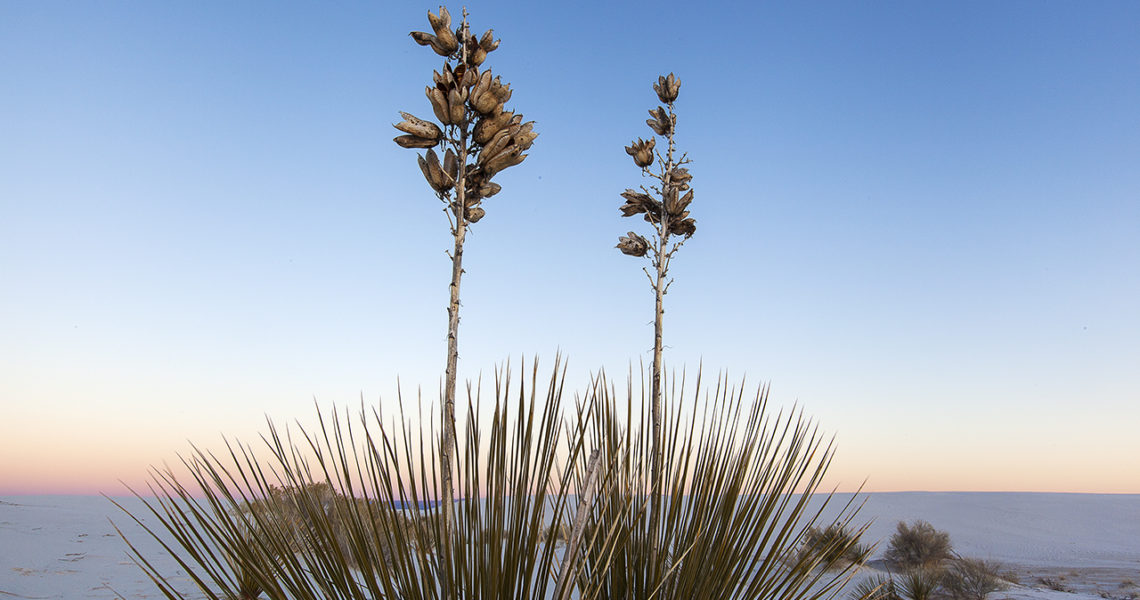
{"x":63,"y":547}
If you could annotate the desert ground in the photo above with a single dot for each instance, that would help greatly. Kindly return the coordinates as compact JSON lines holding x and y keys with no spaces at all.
{"x":1054,"y":546}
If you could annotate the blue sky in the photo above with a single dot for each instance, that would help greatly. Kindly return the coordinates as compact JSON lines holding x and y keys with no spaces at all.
{"x":921,"y":221}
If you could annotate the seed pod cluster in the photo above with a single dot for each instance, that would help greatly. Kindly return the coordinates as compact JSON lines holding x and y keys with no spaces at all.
{"x":470,"y":103}
{"x":669,"y":214}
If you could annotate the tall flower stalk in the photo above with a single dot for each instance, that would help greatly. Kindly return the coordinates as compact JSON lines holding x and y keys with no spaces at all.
{"x":663,"y":204}
{"x":478,"y":138}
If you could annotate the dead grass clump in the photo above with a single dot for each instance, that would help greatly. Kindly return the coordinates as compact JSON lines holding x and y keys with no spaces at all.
{"x":1054,"y":584}
{"x":919,"y":545}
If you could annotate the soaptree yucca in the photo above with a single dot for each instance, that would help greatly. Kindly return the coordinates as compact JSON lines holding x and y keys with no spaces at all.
{"x":346,"y":511}
{"x":738,"y":498}
{"x":664,"y":205}
{"x":478,"y":138}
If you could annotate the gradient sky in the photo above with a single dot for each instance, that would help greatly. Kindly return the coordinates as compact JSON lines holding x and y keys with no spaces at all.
{"x":919,"y":220}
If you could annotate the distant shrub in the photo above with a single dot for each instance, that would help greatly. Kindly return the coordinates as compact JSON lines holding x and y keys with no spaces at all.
{"x":919,"y":545}
{"x":972,"y":579}
{"x":556,"y":532}
{"x":834,"y":545}
{"x":1054,"y":584}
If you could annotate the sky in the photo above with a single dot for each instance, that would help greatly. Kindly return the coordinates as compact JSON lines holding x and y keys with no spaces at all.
{"x":918,"y":221}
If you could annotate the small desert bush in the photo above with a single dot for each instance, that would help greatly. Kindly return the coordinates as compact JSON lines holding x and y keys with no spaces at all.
{"x":972,"y":579}
{"x":835,"y":545}
{"x":556,"y":532}
{"x":919,"y":545}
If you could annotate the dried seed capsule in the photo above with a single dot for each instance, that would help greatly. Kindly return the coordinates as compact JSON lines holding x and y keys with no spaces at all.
{"x":686,"y":227}
{"x":442,"y":27}
{"x":419,"y":127}
{"x":525,"y":136}
{"x":439,"y":105}
{"x":490,"y":125}
{"x":488,"y":42}
{"x":483,"y":100}
{"x":434,"y":172}
{"x":412,"y":141}
{"x":474,"y":214}
{"x":633,"y":244}
{"x":451,"y":165}
{"x":676,"y":206}
{"x":662,"y":122}
{"x":642,"y":151}
{"x":667,"y":88}
{"x":497,"y":144}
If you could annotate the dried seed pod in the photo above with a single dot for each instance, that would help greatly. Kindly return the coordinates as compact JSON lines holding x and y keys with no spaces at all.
{"x":427,"y":39}
{"x":442,"y":27}
{"x":468,"y":77}
{"x":488,"y":42}
{"x":633,"y":244}
{"x":667,"y":88}
{"x":686,"y":227}
{"x":443,"y":20}
{"x":439,"y":105}
{"x":662,"y":122}
{"x":497,"y":144}
{"x":680,"y":175}
{"x":501,"y":91}
{"x":489,"y":189}
{"x":475,"y":53}
{"x":455,"y":103}
{"x":473,"y":214}
{"x":413,"y":141}
{"x":676,"y":206}
{"x":642,"y":151}
{"x":423,"y":38}
{"x":433,"y":172}
{"x":482,"y":99}
{"x":490,"y":125}
{"x":505,"y":159}
{"x":451,"y":165}
{"x":638,"y":202}
{"x":525,"y":135}
{"x":418,"y":127}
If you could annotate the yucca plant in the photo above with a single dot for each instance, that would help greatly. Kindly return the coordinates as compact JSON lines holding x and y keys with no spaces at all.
{"x":876,"y":587}
{"x":344,"y":511}
{"x":918,"y":583}
{"x":663,"y":205}
{"x":475,"y":126}
{"x":739,"y":496}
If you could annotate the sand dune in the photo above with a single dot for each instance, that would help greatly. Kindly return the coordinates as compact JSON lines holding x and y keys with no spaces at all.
{"x":64,"y":547}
